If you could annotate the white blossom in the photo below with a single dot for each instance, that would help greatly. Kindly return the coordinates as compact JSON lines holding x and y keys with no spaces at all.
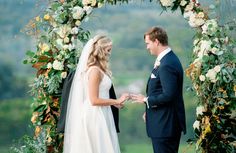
{"x":88,"y":9}
{"x":196,"y":125}
{"x":71,"y":47}
{"x":202,"y":78}
{"x":199,"y":110}
{"x":167,"y":3}
{"x":189,"y":7}
{"x":211,"y":74}
{"x":78,"y":23}
{"x":217,"y":68}
{"x":63,"y":74}
{"x":195,"y":20}
{"x":49,"y":65}
{"x":59,"y":43}
{"x":66,"y":40}
{"x":210,"y":27}
{"x":63,"y":31}
{"x":214,"y":50}
{"x":88,"y":2}
{"x":183,"y":3}
{"x":188,"y":14}
{"x":74,"y":30}
{"x":77,"y":12}
{"x":205,"y":46}
{"x":57,"y":65}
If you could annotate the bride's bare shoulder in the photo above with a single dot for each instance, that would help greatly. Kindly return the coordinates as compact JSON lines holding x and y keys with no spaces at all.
{"x":95,"y":71}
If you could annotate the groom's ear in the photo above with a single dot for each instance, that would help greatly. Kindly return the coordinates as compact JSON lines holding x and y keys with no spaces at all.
{"x":157,"y":42}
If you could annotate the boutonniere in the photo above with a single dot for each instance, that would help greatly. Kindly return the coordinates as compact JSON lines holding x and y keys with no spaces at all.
{"x":157,"y":63}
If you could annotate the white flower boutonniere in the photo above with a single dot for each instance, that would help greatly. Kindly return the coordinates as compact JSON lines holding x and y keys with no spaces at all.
{"x":157,"y":63}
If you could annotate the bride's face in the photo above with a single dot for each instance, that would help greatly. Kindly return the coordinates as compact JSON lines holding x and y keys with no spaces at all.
{"x":108,"y":50}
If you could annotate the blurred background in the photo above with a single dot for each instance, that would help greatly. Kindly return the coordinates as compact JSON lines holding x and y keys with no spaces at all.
{"x":130,"y":63}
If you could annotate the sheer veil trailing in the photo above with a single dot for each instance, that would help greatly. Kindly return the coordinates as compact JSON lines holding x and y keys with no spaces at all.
{"x":72,"y":136}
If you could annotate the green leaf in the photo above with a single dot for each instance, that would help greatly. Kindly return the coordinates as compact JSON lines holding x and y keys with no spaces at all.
{"x":30,"y":53}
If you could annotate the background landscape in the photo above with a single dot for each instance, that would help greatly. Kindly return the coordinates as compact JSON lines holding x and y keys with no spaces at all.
{"x":130,"y":63}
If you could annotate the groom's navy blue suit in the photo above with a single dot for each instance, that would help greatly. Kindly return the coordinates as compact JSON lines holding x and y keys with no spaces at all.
{"x":165,"y":117}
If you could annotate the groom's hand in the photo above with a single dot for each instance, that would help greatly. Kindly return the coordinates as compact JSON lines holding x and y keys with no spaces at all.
{"x":138,"y":98}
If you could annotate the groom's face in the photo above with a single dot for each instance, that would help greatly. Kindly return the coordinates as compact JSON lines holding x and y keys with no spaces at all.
{"x":150,"y":45}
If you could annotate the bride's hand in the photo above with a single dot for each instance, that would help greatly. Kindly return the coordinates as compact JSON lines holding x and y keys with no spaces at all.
{"x":123,"y":98}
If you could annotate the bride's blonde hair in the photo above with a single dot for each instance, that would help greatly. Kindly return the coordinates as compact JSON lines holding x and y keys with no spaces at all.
{"x":98,"y":56}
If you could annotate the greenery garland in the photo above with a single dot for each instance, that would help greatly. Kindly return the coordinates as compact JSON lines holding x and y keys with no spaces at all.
{"x":212,"y":71}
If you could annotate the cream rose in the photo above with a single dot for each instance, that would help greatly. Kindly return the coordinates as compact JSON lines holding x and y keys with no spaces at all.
{"x":196,"y":125}
{"x":57,"y":65}
{"x":167,"y":3}
{"x":200,"y":110}
{"x":202,"y":78}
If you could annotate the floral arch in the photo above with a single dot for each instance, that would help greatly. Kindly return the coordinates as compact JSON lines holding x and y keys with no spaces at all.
{"x":212,"y":71}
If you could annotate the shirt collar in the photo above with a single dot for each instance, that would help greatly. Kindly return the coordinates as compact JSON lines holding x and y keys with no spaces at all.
{"x":163,"y":53}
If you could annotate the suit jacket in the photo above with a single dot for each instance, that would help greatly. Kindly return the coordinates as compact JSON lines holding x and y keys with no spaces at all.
{"x":64,"y":102}
{"x":165,"y":116}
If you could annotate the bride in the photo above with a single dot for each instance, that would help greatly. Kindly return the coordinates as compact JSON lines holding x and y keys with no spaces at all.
{"x":90,"y":127}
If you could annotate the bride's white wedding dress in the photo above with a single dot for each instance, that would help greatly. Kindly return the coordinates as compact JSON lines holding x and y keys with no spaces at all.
{"x":95,"y":131}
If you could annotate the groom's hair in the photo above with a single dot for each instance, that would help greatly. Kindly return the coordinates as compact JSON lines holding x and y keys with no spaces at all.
{"x":157,"y":33}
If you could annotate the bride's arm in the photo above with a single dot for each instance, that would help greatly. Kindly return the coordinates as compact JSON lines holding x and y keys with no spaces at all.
{"x":94,"y":80}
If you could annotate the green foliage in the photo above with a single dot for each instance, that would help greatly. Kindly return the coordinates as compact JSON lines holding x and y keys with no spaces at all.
{"x":29,"y":144}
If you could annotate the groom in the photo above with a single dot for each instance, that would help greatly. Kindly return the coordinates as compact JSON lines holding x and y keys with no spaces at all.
{"x":165,"y":114}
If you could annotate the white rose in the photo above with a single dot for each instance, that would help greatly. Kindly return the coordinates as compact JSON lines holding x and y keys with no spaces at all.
{"x":59,"y":43}
{"x":57,"y":65}
{"x":74,"y":30}
{"x":205,"y":45}
{"x":88,"y":9}
{"x":196,"y":125}
{"x":195,"y":41}
{"x":217,"y":68}
{"x":195,"y":20}
{"x":63,"y":74}
{"x":210,"y":27}
{"x":202,"y":78}
{"x":200,"y":15}
{"x":62,"y":31}
{"x":87,"y":2}
{"x":166,"y":3}
{"x":214,"y":50}
{"x":49,"y":65}
{"x":65,"y":47}
{"x":189,"y":7}
{"x":77,"y":12}
{"x":183,"y":3}
{"x":78,"y":23}
{"x":197,"y":62}
{"x":200,"y":110}
{"x":71,"y":47}
{"x":188,"y":14}
{"x":66,"y":40}
{"x":211,"y":74}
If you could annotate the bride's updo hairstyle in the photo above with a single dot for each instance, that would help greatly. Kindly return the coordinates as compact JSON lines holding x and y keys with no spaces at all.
{"x":99,"y":55}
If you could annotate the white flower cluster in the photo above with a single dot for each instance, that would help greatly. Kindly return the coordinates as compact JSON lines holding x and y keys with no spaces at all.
{"x":199,"y":110}
{"x":58,"y":65}
{"x":210,"y":27}
{"x":196,"y":125}
{"x":211,"y":74}
{"x":167,"y":3}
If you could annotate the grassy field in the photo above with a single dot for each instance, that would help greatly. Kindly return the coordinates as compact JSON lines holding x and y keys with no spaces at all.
{"x":147,"y":148}
{"x":134,"y":148}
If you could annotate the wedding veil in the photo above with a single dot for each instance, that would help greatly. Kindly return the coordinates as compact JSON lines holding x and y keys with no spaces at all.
{"x":74,"y":123}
